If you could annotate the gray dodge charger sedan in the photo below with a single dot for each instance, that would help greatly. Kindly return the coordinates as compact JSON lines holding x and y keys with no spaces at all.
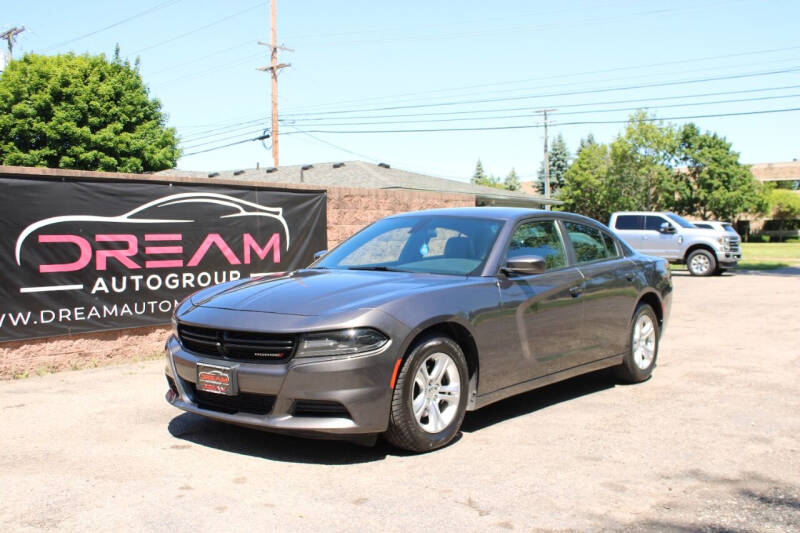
{"x":417,"y":319}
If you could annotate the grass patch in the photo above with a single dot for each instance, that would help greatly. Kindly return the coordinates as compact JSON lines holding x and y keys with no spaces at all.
{"x":762,"y":251}
{"x":762,"y":265}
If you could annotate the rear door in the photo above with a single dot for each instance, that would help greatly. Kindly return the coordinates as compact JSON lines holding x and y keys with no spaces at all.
{"x":610,"y":292}
{"x":546,"y":309}
{"x":631,"y":229}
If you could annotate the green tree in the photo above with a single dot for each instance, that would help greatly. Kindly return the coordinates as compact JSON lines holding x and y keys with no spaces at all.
{"x":82,"y":112}
{"x":586,"y":184}
{"x":641,"y":174}
{"x":479,"y":176}
{"x":559,"y":157}
{"x":512,"y":181}
{"x":710,"y":181}
{"x":785,"y":206}
{"x":587,"y":141}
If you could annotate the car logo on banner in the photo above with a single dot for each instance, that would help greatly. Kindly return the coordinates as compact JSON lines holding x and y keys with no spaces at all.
{"x":136,"y":263}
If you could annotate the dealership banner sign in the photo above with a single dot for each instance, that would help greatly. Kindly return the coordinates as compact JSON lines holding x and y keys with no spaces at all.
{"x":90,"y":255}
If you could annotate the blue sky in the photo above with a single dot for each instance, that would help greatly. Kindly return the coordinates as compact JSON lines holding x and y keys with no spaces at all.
{"x":376,"y":66}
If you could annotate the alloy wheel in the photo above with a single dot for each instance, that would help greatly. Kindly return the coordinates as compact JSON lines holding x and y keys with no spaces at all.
{"x":436,"y":393}
{"x":644,"y":342}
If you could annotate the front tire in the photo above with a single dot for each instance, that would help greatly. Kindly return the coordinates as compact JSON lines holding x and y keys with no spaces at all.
{"x":701,"y":263}
{"x":430,"y":396}
{"x":640,"y":360}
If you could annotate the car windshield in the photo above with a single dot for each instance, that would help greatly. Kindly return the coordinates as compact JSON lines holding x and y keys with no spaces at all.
{"x":435,"y":244}
{"x":682,"y":222}
{"x":729,"y":229}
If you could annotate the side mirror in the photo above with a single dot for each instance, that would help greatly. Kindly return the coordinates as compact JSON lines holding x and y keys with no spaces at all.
{"x":666,"y":227}
{"x":526,"y":264}
{"x":320,"y":254}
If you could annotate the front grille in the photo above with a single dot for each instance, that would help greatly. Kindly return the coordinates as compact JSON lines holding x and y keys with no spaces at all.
{"x":320,"y":408}
{"x":734,"y":246}
{"x":238,"y":345}
{"x":256,"y":404}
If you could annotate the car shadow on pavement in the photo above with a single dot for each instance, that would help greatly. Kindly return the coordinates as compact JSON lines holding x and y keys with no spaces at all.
{"x":274,"y":446}
{"x":537,"y":400}
{"x":277,"y":447}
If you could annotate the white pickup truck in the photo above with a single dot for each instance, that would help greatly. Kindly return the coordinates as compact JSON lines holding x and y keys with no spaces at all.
{"x":703,"y":251}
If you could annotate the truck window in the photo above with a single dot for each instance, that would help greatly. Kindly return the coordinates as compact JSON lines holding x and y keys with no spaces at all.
{"x":653,"y":223}
{"x":629,"y":222}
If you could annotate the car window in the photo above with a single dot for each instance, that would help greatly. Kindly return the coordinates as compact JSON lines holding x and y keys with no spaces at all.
{"x":703,"y":226}
{"x":629,"y":222}
{"x":540,"y":238}
{"x":384,"y":248}
{"x":611,"y":244}
{"x":682,"y":222}
{"x":589,"y":243}
{"x":653,"y":223}
{"x":436,"y":244}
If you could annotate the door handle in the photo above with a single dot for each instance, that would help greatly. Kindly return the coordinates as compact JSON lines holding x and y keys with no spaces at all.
{"x":576,"y":291}
{"x":629,"y":276}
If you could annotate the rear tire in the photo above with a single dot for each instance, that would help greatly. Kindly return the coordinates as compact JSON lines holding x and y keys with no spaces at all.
{"x":430,"y":396}
{"x":701,"y":263}
{"x":640,"y":359}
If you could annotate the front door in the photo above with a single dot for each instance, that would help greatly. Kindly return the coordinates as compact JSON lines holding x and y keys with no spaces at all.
{"x":658,"y":243}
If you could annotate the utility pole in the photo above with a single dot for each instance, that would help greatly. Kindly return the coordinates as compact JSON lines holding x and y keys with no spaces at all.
{"x":10,"y":36}
{"x":546,"y":157}
{"x":273,"y":69}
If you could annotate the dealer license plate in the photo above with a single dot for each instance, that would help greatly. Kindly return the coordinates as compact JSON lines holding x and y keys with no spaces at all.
{"x":216,"y":379}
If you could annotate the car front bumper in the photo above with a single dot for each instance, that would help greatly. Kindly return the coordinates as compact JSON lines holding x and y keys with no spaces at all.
{"x":357,"y":387}
{"x":728,"y":259}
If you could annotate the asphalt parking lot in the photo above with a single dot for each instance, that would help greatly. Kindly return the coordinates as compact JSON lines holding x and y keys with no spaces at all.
{"x":711,"y":442}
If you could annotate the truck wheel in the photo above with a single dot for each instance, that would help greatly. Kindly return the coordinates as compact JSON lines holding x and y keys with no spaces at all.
{"x":701,"y":263}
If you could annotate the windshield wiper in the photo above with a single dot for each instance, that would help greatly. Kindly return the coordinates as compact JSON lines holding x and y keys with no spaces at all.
{"x":379,"y":268}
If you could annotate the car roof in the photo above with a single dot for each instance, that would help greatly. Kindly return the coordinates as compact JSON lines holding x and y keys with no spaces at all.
{"x":619,"y":213}
{"x":496,"y":213}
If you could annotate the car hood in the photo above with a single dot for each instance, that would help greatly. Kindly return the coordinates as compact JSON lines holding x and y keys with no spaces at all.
{"x":702,"y":232}
{"x":318,"y":292}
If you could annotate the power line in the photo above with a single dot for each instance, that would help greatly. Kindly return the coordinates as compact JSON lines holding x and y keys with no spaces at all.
{"x":587,"y":112}
{"x":201,"y":28}
{"x":370,"y":158}
{"x":248,"y":125}
{"x":197,"y":59}
{"x":156,"y":7}
{"x":259,"y":138}
{"x":215,"y":70}
{"x":560,"y":76}
{"x":573,"y":93}
{"x":528,"y":126}
{"x":195,"y":144}
{"x":495,"y":128}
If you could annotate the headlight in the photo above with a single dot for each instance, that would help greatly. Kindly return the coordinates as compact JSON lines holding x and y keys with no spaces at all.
{"x":174,"y":327}
{"x":342,"y":342}
{"x":720,"y":240}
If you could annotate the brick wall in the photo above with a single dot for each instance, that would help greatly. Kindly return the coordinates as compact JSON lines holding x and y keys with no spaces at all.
{"x":349,"y":210}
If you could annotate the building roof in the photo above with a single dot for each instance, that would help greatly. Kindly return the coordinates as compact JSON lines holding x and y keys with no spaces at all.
{"x":365,"y":175}
{"x":776,"y":171}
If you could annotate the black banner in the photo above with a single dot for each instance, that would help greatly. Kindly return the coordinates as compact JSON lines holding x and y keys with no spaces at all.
{"x":80,"y":255}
